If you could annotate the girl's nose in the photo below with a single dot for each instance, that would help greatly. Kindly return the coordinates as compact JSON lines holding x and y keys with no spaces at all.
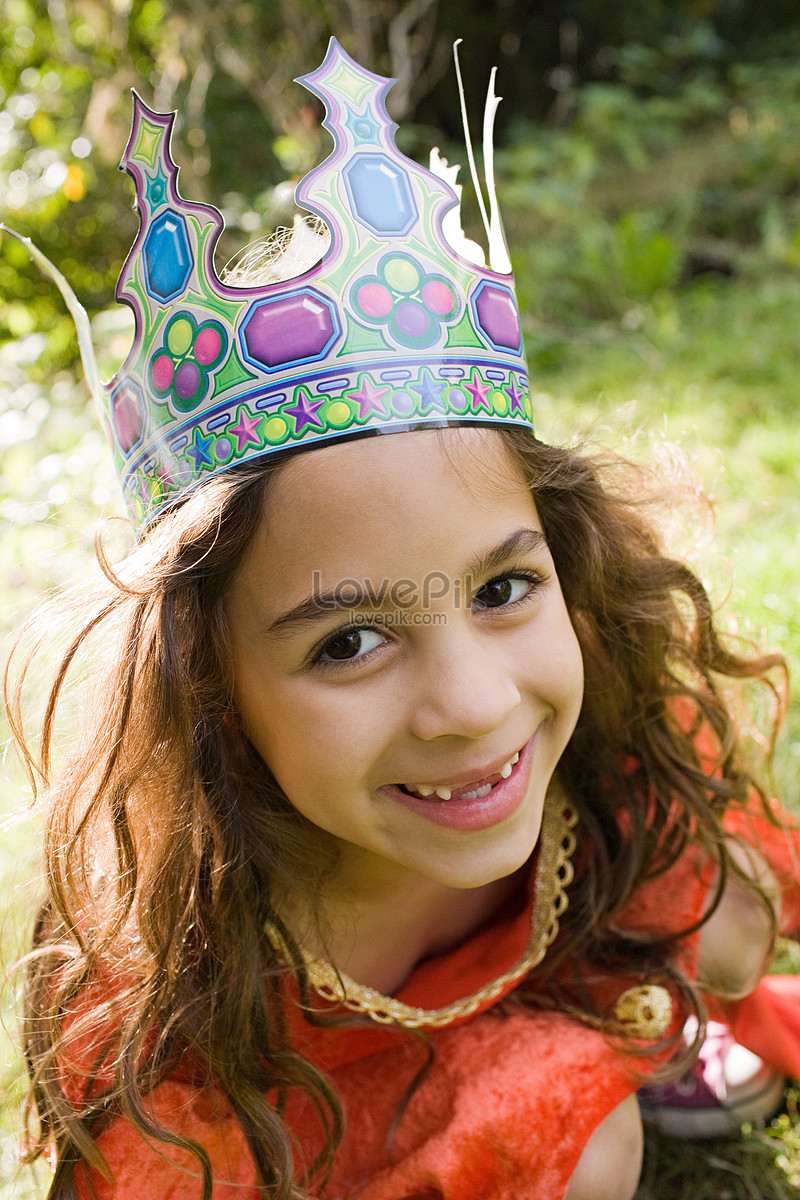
{"x":466,"y":689}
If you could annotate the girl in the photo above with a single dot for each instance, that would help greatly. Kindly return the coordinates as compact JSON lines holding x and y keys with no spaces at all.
{"x":392,"y":855}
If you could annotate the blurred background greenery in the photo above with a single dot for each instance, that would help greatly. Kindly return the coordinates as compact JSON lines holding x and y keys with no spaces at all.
{"x":649,"y":171}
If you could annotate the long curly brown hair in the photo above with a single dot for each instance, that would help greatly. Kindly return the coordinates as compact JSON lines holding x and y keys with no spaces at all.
{"x":169,"y":845}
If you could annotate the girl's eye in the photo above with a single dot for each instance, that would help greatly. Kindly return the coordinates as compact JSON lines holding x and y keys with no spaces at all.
{"x":506,"y":590}
{"x":349,"y":644}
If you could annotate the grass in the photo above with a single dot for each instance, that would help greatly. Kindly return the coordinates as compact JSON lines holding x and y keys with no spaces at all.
{"x":711,"y":368}
{"x":761,"y":1165}
{"x":712,"y":373}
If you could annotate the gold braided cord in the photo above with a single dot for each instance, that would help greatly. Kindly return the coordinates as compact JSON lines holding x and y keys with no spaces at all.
{"x":554,"y":873}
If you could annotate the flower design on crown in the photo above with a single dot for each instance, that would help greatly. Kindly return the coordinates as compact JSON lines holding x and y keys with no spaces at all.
{"x":410,"y":303}
{"x":392,"y":330}
{"x":180,"y":369}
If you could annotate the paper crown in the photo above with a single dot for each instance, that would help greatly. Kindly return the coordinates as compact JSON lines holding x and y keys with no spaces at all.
{"x":394,"y":329}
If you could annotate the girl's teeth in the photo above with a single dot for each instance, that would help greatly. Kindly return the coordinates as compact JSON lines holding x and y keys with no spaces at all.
{"x":479,"y":793}
{"x":445,"y":793}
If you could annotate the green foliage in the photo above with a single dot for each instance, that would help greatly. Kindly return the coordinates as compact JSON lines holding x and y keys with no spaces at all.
{"x":644,"y":192}
{"x":629,"y":258}
{"x":764,"y":1164}
{"x":65,"y":75}
{"x":53,"y":175}
{"x":660,"y":86}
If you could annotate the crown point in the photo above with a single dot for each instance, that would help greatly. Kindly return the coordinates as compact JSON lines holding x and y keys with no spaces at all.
{"x":150,"y":131}
{"x":339,"y":77}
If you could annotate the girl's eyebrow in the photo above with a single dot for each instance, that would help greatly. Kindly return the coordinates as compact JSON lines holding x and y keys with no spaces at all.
{"x":377,"y":595}
{"x":523,"y":541}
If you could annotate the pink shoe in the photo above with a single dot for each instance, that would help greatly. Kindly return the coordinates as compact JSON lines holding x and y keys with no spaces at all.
{"x":725,"y":1087}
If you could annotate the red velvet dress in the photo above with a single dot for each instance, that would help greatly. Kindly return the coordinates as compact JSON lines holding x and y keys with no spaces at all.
{"x":512,"y":1095}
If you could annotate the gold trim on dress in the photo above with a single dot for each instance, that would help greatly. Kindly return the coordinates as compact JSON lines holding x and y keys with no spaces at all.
{"x":553,"y":874}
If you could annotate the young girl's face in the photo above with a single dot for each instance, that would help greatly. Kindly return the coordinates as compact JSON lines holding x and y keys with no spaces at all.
{"x":403,"y":657}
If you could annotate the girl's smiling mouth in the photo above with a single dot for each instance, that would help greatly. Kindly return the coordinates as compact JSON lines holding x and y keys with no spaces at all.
{"x":477,"y":804}
{"x":475,"y":790}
